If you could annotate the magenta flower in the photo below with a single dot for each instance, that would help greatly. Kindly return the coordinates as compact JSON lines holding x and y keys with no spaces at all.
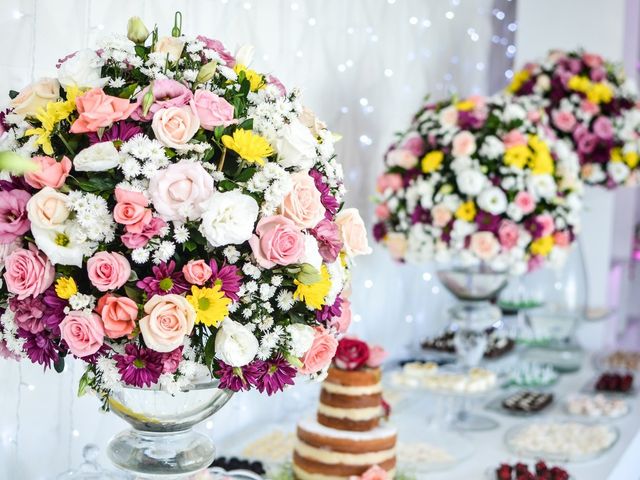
{"x":228,"y":277}
{"x":165,"y":280}
{"x":40,"y":347}
{"x":327,"y":234}
{"x":54,"y":310}
{"x":119,"y":133}
{"x":327,"y":312}
{"x":379,"y":231}
{"x":3,"y":123}
{"x":275,"y":375}
{"x":218,"y":47}
{"x":237,"y":379}
{"x":139,"y":366}
{"x":171,"y":360}
{"x":28,"y":313}
{"x":13,"y":214}
{"x":326,"y":198}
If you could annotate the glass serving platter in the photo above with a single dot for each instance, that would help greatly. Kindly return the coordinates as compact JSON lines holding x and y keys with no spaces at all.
{"x":603,"y":418}
{"x":603,"y":361}
{"x":496,"y":405}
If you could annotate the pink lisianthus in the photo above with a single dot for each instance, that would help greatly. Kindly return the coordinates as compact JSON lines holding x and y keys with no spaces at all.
{"x":28,"y":272}
{"x":546,"y":223}
{"x":275,"y":81}
{"x":525,"y":202}
{"x":171,"y":360}
{"x":320,"y":354}
{"x":508,"y":234}
{"x":213,"y":111}
{"x":50,"y":173}
{"x":414,"y":144}
{"x":391,"y":181}
{"x":342,"y":322}
{"x":563,"y":120}
{"x":166,"y":93}
{"x":131,"y":210}
{"x":514,"y":138}
{"x":28,"y":313}
{"x":98,"y":110}
{"x":218,"y":47}
{"x":327,"y":234}
{"x":14,"y":221}
{"x":140,"y":239}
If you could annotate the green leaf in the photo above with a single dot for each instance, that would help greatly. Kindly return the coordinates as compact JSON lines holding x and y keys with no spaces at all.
{"x":96,"y":184}
{"x":247,"y":124}
{"x":84,"y":383}
{"x":245,"y":174}
{"x":209,"y":155}
{"x":127,"y":92}
{"x":58,"y":365}
{"x":226,"y":185}
{"x":169,"y":153}
{"x":133,"y":293}
{"x":190,"y":245}
{"x":141,"y":51}
{"x":13,"y":94}
{"x":209,"y":350}
{"x":218,"y":132}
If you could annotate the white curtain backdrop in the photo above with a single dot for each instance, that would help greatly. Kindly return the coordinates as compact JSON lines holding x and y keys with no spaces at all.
{"x":364,"y":67}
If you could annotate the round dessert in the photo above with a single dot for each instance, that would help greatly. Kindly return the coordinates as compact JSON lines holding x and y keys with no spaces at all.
{"x":532,"y":374}
{"x":596,"y":406}
{"x":624,"y":360}
{"x":428,"y":375}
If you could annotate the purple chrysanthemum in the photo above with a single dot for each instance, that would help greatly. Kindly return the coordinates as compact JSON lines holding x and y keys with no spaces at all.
{"x":379,"y":231}
{"x":3,"y":122}
{"x":228,"y":277}
{"x":327,"y":312}
{"x":329,"y":202}
{"x":534,"y":227}
{"x":487,"y":222}
{"x":237,"y":379}
{"x":276,"y":374}
{"x":54,"y":311}
{"x":40,"y":347}
{"x":165,"y":280}
{"x":139,"y":366}
{"x":420,"y":215}
{"x":119,"y":133}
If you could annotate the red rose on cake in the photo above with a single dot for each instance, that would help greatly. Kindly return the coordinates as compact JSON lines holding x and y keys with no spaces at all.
{"x":354,"y":354}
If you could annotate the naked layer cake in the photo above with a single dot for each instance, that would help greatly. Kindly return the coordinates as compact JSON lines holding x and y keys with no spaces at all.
{"x":347,"y":438}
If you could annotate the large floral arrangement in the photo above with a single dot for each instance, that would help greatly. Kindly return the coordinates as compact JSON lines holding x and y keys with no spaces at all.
{"x":478,"y":181}
{"x":593,"y":107}
{"x":184,"y":218}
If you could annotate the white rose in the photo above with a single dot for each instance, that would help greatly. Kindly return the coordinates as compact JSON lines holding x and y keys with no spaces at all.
{"x":228,"y":218}
{"x":83,"y":70}
{"x":36,"y":96}
{"x":172,"y":46}
{"x":235,"y":344}
{"x":244,"y":55}
{"x":400,"y":157}
{"x":543,"y":83}
{"x":471,"y":182}
{"x":301,"y":338}
{"x":493,"y":200}
{"x":296,"y":146}
{"x":59,"y":246}
{"x":47,"y":209}
{"x":97,"y":158}
{"x":311,"y":253}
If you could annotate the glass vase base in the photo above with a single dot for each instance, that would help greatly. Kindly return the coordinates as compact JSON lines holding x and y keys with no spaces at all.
{"x":473,"y":422}
{"x":161,"y":455}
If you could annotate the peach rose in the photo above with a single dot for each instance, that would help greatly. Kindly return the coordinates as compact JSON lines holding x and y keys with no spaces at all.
{"x":172,"y":46}
{"x":321,"y":352}
{"x":28,"y":272}
{"x":441,"y":215}
{"x":197,"y":272}
{"x":278,"y":241}
{"x":382,"y":211}
{"x":82,"y":332}
{"x":108,"y":271}
{"x":401,"y":157}
{"x":169,"y":319}
{"x":464,"y":144}
{"x":484,"y":245}
{"x":36,"y":96}
{"x":50,"y":173}
{"x":353,"y":232}
{"x":48,"y":209}
{"x":562,"y":238}
{"x":396,"y":243}
{"x":342,"y":323}
{"x":118,"y":314}
{"x":98,"y":110}
{"x":131,"y":210}
{"x":175,"y":126}
{"x":179,"y":191}
{"x":302,"y":204}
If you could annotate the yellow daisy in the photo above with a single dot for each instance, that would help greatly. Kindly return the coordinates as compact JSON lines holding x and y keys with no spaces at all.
{"x":631,"y":159}
{"x":517,"y":156}
{"x":466,"y":211}
{"x":314,"y":294}
{"x":432,"y":161}
{"x":251,"y":147}
{"x":542,"y":246}
{"x":518,"y":80}
{"x":66,"y":287}
{"x":211,"y":305}
{"x":256,"y":81}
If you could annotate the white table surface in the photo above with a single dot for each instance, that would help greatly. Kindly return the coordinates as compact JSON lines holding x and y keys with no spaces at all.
{"x":622,"y":462}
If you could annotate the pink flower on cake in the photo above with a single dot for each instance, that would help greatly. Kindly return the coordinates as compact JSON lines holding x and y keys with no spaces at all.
{"x":118,"y":315}
{"x":28,"y":272}
{"x":50,"y":173}
{"x":322,"y":351}
{"x":525,"y":202}
{"x":197,"y":272}
{"x":278,"y":241}
{"x":508,"y":234}
{"x":213,"y":111}
{"x":377,"y":355}
{"x":464,"y":144}
{"x":391,"y":181}
{"x":108,"y":271}
{"x":564,"y":120}
{"x":303,"y":203}
{"x":484,"y":245}
{"x":169,"y":319}
{"x":175,"y":126}
{"x":82,"y":332}
{"x":342,"y":323}
{"x":374,"y":473}
{"x":14,"y":220}
{"x":131,"y":210}
{"x":351,"y":354}
{"x":166,"y":93}
{"x":98,"y":110}
{"x":353,"y":232}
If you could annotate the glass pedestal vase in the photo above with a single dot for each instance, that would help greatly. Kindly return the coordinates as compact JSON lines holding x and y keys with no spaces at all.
{"x":162,"y":442}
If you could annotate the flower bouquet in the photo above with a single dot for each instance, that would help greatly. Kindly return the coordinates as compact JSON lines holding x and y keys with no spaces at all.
{"x":182,"y":219}
{"x":593,"y":108}
{"x":479,"y":181}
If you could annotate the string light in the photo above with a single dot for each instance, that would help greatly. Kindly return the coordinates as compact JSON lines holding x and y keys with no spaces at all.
{"x":312,"y":22}
{"x":449,"y":15}
{"x":357,"y":318}
{"x":408,"y":318}
{"x":435,"y":290}
{"x":426,"y":276}
{"x":17,"y":15}
{"x":413,"y":20}
{"x":368,"y":283}
{"x":388,"y":72}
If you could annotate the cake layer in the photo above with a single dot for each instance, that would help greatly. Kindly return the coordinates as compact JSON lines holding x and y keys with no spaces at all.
{"x":355,"y":414}
{"x":338,"y":470}
{"x":331,"y":457}
{"x":332,"y":440}
{"x":351,"y":391}
{"x":348,"y":425}
{"x":350,"y":401}
{"x":354,"y":378}
{"x":301,"y":474}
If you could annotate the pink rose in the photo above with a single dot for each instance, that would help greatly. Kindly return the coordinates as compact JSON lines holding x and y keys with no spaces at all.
{"x":82,"y":332}
{"x":484,"y":245}
{"x":603,"y":128}
{"x":377,"y":355}
{"x":178,"y":191}
{"x":464,"y":144}
{"x":546,"y":223}
{"x":525,"y":202}
{"x":175,"y":126}
{"x":414,"y":144}
{"x":563,"y":120}
{"x":514,"y":138}
{"x":303,"y":203}
{"x":213,"y":111}
{"x":592,"y":60}
{"x":169,"y":319}
{"x":327,"y":234}
{"x":353,"y":232}
{"x":98,"y":110}
{"x":108,"y":271}
{"x":7,"y":249}
{"x":140,"y":239}
{"x":278,"y":241}
{"x":197,"y":272}
{"x":321,"y":352}
{"x":166,"y":93}
{"x":401,"y":158}
{"x":382,"y":211}
{"x":562,"y":238}
{"x":28,"y":272}
{"x":396,"y":243}
{"x":589,"y":107}
{"x":508,"y":234}
{"x":534,"y":116}
{"x":218,"y":47}
{"x":449,"y":116}
{"x":50,"y":173}
{"x":391,"y":181}
{"x":598,"y":74}
{"x":131,"y":210}
{"x":374,"y":473}
{"x":441,"y":216}
{"x":118,"y":314}
{"x":14,"y":221}
{"x":342,"y":323}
